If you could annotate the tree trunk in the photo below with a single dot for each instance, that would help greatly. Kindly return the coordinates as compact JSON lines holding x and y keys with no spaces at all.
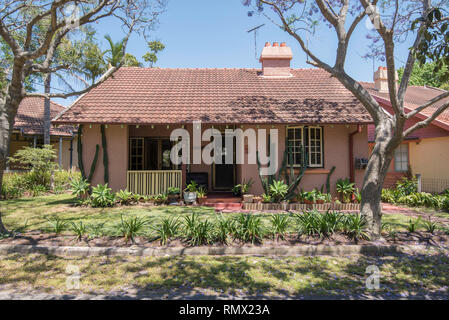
{"x":375,"y":174}
{"x":8,"y":110}
{"x":47,"y":123}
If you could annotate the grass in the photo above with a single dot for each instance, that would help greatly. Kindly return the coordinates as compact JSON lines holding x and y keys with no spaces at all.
{"x":38,"y":210}
{"x":270,"y":277}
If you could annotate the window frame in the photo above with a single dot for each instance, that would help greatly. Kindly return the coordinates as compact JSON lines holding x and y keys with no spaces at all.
{"x":406,"y":145}
{"x":309,"y":140}
{"x":131,"y":154}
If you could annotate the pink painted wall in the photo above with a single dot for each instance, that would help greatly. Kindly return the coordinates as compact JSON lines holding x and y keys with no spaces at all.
{"x":336,"y":153}
{"x":117,"y":145}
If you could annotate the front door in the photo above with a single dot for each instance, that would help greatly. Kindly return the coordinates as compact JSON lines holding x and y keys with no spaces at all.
{"x":224,"y":174}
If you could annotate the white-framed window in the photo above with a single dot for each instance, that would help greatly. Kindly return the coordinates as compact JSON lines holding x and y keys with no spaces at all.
{"x":401,"y":158}
{"x":309,"y":139}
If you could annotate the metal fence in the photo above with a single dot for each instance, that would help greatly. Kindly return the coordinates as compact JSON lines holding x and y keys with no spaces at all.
{"x":433,"y":185}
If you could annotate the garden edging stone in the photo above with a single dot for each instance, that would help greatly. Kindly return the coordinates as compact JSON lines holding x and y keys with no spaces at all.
{"x":306,"y":250}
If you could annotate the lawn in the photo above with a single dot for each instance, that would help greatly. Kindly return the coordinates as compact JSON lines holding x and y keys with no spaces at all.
{"x":405,"y":275}
{"x":36,"y":212}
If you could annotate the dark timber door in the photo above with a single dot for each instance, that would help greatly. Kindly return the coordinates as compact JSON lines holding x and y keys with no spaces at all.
{"x":224,"y":174}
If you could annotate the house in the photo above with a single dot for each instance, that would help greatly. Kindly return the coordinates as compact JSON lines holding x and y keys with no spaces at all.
{"x":29,"y":131}
{"x":426,"y":151}
{"x":141,"y":107}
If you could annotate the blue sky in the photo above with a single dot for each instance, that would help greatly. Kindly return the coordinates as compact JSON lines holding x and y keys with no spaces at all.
{"x":213,"y":34}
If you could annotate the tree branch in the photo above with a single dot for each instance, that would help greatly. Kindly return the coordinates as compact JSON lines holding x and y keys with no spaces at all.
{"x":424,"y":123}
{"x":427,"y":104}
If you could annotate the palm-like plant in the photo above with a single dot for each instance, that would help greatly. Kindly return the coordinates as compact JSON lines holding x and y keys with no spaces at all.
{"x":115,"y":53}
{"x":346,"y":189}
{"x":278,"y":190}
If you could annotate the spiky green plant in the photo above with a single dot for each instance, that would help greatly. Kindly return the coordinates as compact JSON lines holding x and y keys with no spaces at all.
{"x":131,"y":227}
{"x":57,"y":224}
{"x":167,"y":229}
{"x":279,"y":225}
{"x":249,"y":228}
{"x":79,"y":229}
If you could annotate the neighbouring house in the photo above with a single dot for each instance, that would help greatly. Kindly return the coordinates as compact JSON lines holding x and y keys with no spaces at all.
{"x":29,"y":131}
{"x":140,"y":107}
{"x":426,"y":151}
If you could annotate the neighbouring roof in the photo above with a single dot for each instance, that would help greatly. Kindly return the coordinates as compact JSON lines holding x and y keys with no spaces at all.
{"x":416,"y":96}
{"x":153,"y":95}
{"x":30,"y":118}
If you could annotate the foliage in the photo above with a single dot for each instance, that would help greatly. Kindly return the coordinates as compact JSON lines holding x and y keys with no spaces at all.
{"x":173,"y":190}
{"x":244,"y":187}
{"x":413,"y":225}
{"x":223,"y":227}
{"x":197,"y":232}
{"x":167,"y":229}
{"x":63,"y":178}
{"x":102,"y":196}
{"x":13,"y":186}
{"x":346,"y":189}
{"x":355,"y":226}
{"x":201,"y":192}
{"x":288,"y":176}
{"x":427,"y":75}
{"x":80,"y":229}
{"x":57,"y":225}
{"x":278,"y":190}
{"x":266,"y":198}
{"x":41,"y":161}
{"x":79,"y":187}
{"x":151,"y":56}
{"x":131,"y":227}
{"x":407,"y":186}
{"x":191,"y":187}
{"x":124,"y":197}
{"x":314,"y":223}
{"x":249,"y":228}
{"x":37,"y":190}
{"x":160,"y":198}
{"x":430,"y":226}
{"x":279,"y":225}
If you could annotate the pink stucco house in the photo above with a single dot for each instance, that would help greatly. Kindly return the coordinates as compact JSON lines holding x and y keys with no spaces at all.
{"x":426,"y":151}
{"x":140,"y":107}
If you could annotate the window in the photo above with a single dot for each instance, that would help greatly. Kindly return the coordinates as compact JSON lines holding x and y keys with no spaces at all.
{"x":401,"y":158}
{"x":136,"y":153}
{"x":311,"y":140}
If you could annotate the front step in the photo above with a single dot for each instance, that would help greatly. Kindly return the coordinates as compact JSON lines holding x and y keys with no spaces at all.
{"x":224,"y":205}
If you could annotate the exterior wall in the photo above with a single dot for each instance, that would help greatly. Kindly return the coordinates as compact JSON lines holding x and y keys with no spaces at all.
{"x":430,"y":158}
{"x":336,"y":153}
{"x":335,"y":144}
{"x":117,"y":144}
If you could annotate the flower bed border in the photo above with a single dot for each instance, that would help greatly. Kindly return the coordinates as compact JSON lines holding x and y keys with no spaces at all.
{"x":302,"y":206}
{"x":303,"y":250}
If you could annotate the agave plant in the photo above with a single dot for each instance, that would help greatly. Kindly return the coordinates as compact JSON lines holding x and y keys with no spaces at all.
{"x":57,"y":224}
{"x":79,"y":187}
{"x":168,"y":228}
{"x":279,"y":225}
{"x":131,"y":227}
{"x":124,"y":197}
{"x":278,"y":190}
{"x":249,"y":228}
{"x":102,"y":196}
{"x":80,"y":230}
{"x":346,"y":189}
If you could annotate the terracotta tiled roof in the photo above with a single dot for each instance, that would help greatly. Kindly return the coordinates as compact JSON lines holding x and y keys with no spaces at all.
{"x":153,"y":95}
{"x":30,"y":118}
{"x":416,"y":96}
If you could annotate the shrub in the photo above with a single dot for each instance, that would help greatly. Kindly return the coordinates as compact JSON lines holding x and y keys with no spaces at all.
{"x":57,"y":225}
{"x":249,"y":228}
{"x":13,"y":186}
{"x":63,"y":178}
{"x":80,"y":230}
{"x":79,"y":187}
{"x":223,"y":227}
{"x":355,"y":226}
{"x":160,"y":199}
{"x":346,"y":189}
{"x":173,"y":191}
{"x":197,"y":232}
{"x":102,"y":196}
{"x":279,"y":225}
{"x":166,"y":230}
{"x":314,"y":223}
{"x":40,"y":161}
{"x":124,"y":197}
{"x":407,"y":186}
{"x":430,"y":226}
{"x":37,"y":190}
{"x":278,"y":190}
{"x":413,"y":225}
{"x":131,"y":227}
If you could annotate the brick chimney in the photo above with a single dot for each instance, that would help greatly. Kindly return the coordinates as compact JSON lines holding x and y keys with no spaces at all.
{"x":275,"y":60}
{"x":381,"y":80}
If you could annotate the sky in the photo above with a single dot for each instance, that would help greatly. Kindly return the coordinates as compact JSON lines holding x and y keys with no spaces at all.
{"x":213,"y":34}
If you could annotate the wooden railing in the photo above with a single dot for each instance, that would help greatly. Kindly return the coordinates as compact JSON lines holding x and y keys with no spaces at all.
{"x":151,"y":183}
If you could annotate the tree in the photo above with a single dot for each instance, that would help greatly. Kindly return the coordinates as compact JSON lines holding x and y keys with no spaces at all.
{"x":427,"y":74}
{"x":32,"y":51}
{"x":392,"y":21}
{"x":151,"y":56}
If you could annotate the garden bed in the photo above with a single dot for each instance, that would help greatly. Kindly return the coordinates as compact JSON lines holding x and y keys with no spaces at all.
{"x":301,"y":206}
{"x":37,"y":238}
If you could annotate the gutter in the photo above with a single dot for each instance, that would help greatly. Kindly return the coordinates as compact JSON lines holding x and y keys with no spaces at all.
{"x":351,"y":153}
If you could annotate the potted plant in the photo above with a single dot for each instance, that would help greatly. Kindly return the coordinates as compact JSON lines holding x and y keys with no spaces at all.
{"x":173,"y":195}
{"x":266,"y":198}
{"x":160,"y":199}
{"x":278,"y":190}
{"x":190,"y":192}
{"x":309,"y":197}
{"x":257,"y":199}
{"x":201,"y":195}
{"x":345,"y":188}
{"x":236,"y":191}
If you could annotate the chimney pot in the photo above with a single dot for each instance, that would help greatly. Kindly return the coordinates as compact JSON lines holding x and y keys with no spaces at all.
{"x":283,"y":44}
{"x":381,"y":79}
{"x":267,"y":44}
{"x":275,"y":44}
